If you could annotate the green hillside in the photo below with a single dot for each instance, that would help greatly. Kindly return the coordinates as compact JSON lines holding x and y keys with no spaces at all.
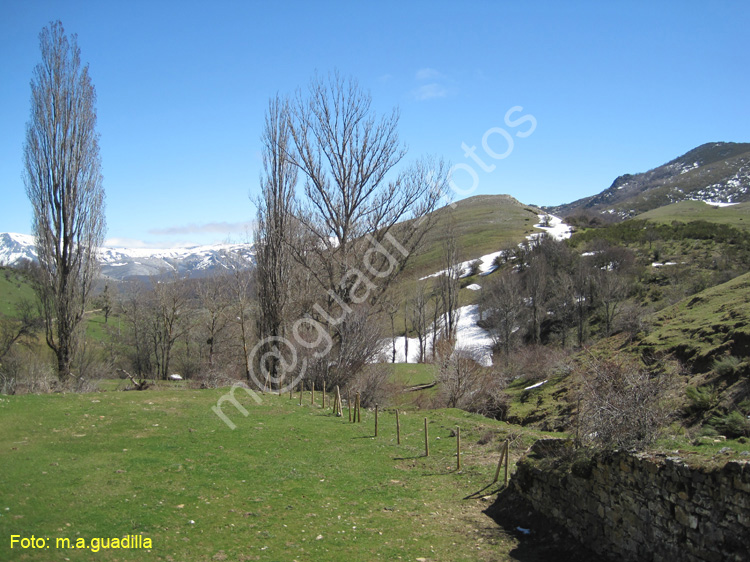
{"x":14,"y":288}
{"x":482,"y":224}
{"x":737,"y":215}
{"x":705,"y":326}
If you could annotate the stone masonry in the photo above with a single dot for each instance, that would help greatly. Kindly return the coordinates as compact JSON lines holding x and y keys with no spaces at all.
{"x":644,"y":507}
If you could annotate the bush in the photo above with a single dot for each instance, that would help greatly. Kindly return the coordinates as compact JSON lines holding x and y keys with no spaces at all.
{"x":24,"y":372}
{"x":622,"y":406}
{"x":474,"y":268}
{"x":373,"y":385}
{"x":726,"y":366}
{"x":702,"y":398}
{"x":734,"y":424}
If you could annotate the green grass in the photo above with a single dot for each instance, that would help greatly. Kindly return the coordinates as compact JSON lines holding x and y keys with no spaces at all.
{"x":737,"y":216}
{"x":411,"y":374}
{"x":704,"y":325}
{"x":289,"y":483}
{"x":482,"y":224}
{"x":14,"y":288}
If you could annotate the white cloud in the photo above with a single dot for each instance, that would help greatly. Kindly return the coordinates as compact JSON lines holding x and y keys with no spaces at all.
{"x":428,"y":74}
{"x":207,"y":228}
{"x":430,"y":91}
{"x":133,"y":243}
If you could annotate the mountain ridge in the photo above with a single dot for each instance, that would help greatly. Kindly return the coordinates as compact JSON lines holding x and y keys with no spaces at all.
{"x":131,"y":263}
{"x":712,"y":172}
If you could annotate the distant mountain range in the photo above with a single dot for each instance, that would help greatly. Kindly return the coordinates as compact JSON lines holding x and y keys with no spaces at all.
{"x":716,"y":172}
{"x":130,"y":263}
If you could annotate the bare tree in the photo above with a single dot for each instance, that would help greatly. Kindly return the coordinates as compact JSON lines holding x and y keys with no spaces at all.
{"x":64,"y":184}
{"x":273,"y":234}
{"x":611,"y":290}
{"x":346,"y":153}
{"x":213,"y":293}
{"x":362,"y":218}
{"x":135,"y":308}
{"x":242,"y":291}
{"x":170,"y":319}
{"x":504,"y":309}
{"x":18,"y":328}
{"x":391,"y":308}
{"x":582,"y":293}
{"x":562,"y":305}
{"x":536,"y":279}
{"x":459,"y":375}
{"x":419,"y":319}
{"x":448,"y":284}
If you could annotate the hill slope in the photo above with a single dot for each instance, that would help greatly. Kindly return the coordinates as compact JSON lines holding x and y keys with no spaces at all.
{"x":736,"y":215}
{"x":482,"y":224}
{"x":717,"y":171}
{"x":705,"y":326}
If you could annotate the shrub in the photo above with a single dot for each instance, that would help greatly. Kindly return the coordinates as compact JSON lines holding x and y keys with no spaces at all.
{"x":726,"y":366}
{"x":621,"y":404}
{"x":702,"y":398}
{"x":734,"y":424}
{"x":373,"y":385}
{"x":708,"y":431}
{"x":474,"y":268}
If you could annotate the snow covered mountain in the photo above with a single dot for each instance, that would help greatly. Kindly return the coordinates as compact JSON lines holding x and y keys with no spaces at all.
{"x":129,"y":263}
{"x":713,"y":172}
{"x":15,"y":248}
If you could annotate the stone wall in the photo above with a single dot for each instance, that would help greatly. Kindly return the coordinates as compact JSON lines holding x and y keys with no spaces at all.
{"x":643,"y":506}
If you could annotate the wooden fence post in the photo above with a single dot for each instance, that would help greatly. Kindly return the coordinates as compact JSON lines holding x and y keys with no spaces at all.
{"x":301,"y":389}
{"x":503,"y":455}
{"x":359,"y":409}
{"x":337,"y":408}
{"x":376,"y":420}
{"x":507,"y":461}
{"x":426,"y":440}
{"x":398,"y":429}
{"x":349,"y":404}
{"x":312,"y":394}
{"x":458,"y":448}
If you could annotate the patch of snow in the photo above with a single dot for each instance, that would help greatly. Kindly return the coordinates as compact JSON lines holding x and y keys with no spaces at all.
{"x":387,"y":350}
{"x":537,"y":385}
{"x":557,"y":228}
{"x":470,"y":338}
{"x":719,"y":203}
{"x":689,"y":167}
{"x":473,"y":287}
{"x":464,"y":268}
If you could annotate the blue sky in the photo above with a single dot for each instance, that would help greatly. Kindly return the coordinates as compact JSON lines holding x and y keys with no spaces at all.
{"x":612,"y":87}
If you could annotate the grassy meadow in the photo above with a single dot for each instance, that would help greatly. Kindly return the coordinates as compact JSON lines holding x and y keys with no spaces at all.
{"x":737,"y":215}
{"x":290,"y":482}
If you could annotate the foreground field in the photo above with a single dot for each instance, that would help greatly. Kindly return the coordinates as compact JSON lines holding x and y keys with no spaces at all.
{"x":289,"y":483}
